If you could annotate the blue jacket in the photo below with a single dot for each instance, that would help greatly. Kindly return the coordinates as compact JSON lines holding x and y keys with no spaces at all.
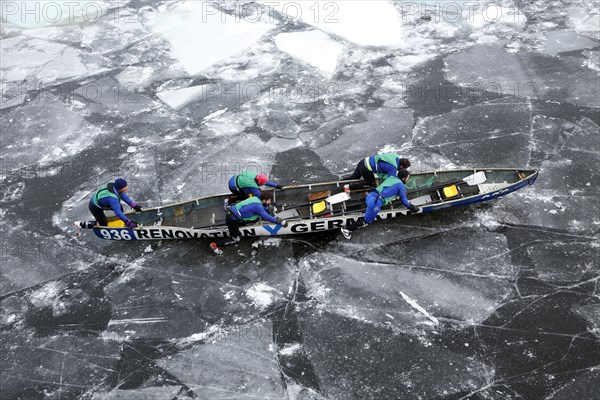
{"x":250,"y":210}
{"x":110,"y":203}
{"x":398,"y":190}
{"x":383,"y":167}
{"x":248,"y":190}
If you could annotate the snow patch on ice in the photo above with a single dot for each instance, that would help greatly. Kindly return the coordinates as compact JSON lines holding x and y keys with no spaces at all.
{"x":366,"y":23}
{"x":313,"y":47}
{"x":262,"y":295}
{"x":199,"y":40}
{"x":289,"y":350}
{"x":47,"y":294}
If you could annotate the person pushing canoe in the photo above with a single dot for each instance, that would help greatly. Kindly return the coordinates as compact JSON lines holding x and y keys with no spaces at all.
{"x":246,"y":211}
{"x":247,"y":183}
{"x":109,"y":197}
{"x":380,"y":166}
{"x":392,"y":188}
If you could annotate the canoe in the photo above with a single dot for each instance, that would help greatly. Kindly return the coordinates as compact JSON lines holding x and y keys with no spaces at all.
{"x":319,"y":207}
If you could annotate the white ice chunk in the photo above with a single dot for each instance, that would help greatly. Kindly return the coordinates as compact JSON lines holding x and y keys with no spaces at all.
{"x":280,"y":144}
{"x":561,"y":41}
{"x":35,"y":53}
{"x":313,"y":47}
{"x":67,"y":65}
{"x":136,"y":77}
{"x":365,"y":23}
{"x":406,"y":63}
{"x":179,"y":98}
{"x":200,"y":38}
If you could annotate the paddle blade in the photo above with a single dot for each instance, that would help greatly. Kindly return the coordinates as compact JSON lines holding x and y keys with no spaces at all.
{"x":475,"y":179}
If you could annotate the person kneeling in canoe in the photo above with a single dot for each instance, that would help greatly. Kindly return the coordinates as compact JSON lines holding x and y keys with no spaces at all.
{"x":246,"y":211}
{"x":380,"y":166}
{"x":109,"y":197}
{"x":247,"y":183}
{"x":392,"y":188}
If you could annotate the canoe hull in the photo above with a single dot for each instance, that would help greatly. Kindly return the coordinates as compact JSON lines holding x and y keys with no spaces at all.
{"x":295,"y":227}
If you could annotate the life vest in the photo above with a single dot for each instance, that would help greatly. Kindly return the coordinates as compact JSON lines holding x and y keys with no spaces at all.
{"x":238,"y":208}
{"x":104,"y":192}
{"x":391,"y":181}
{"x":390,"y":158}
{"x":246,"y":179}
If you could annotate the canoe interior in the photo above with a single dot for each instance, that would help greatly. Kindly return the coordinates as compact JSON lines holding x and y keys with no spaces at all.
{"x":208,"y":211}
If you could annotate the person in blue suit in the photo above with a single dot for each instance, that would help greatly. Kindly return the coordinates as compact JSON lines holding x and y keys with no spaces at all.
{"x":247,"y":184}
{"x":246,"y":211}
{"x":380,"y":166}
{"x":109,"y":197}
{"x":391,"y":189}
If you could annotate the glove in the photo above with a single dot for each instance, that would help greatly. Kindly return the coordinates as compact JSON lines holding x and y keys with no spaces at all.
{"x":131,"y":224}
{"x":282,"y":222}
{"x":413,"y":208}
{"x":279,"y":187}
{"x":137,"y":208}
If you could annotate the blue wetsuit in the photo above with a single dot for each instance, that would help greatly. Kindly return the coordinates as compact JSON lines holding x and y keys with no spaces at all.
{"x":111,"y":203}
{"x":252,"y":210}
{"x":375,"y":199}
{"x":383,"y":167}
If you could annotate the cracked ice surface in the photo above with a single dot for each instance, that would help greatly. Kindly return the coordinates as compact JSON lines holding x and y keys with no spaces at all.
{"x":237,"y":363}
{"x":523,"y":75}
{"x":386,"y":127}
{"x":498,"y":300}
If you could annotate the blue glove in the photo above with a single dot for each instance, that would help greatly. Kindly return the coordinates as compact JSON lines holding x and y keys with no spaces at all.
{"x":131,"y":224}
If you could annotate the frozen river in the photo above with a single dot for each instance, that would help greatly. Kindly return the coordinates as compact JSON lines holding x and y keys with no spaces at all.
{"x":497,"y":301}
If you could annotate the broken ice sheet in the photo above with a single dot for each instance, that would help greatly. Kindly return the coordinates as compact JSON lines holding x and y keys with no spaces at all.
{"x":384,"y":127}
{"x":217,"y":37}
{"x":568,"y":183}
{"x":356,"y":360}
{"x":375,"y":23}
{"x":32,"y":258}
{"x":279,"y":123}
{"x":591,"y":313}
{"x":44,"y":131}
{"x":523,"y":75}
{"x":562,"y":41}
{"x":206,"y":169}
{"x":147,"y":393}
{"x":58,"y":366}
{"x":312,"y":47}
{"x":238,"y":362}
{"x":370,"y":290}
{"x":136,"y":316}
{"x":491,"y":135}
{"x":562,"y":262}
